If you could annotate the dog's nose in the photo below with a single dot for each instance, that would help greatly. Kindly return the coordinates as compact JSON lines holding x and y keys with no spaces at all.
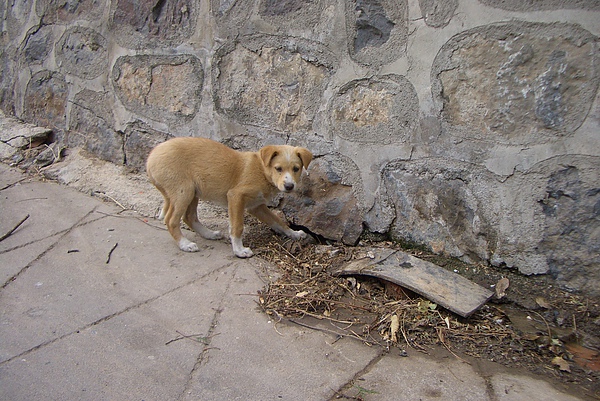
{"x":288,"y":186}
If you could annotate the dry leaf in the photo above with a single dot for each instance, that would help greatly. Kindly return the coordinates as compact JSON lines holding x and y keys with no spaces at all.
{"x":562,"y":364}
{"x":426,"y":305}
{"x":541,"y":301}
{"x":394,"y":326}
{"x":501,"y":287}
{"x":531,"y":336}
{"x":302,"y":294}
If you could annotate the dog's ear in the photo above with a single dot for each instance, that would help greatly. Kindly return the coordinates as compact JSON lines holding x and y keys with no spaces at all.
{"x":304,"y":155}
{"x":267,"y":154}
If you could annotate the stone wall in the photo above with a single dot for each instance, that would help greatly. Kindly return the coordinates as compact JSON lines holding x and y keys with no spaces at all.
{"x":470,"y":127}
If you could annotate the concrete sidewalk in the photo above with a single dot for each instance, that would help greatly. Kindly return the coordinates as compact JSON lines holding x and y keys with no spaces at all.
{"x":94,"y":303}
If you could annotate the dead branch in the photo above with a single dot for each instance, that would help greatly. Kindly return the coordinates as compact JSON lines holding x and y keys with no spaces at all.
{"x":9,"y":233}
{"x":353,"y":335}
{"x":111,"y":251}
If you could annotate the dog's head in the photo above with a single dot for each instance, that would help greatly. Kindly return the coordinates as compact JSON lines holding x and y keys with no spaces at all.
{"x":283,"y":164}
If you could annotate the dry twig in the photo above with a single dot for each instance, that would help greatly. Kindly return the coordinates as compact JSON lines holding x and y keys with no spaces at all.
{"x":111,"y":251}
{"x":12,"y":230}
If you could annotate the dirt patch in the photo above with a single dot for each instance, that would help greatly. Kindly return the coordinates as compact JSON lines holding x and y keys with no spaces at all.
{"x":535,"y":327}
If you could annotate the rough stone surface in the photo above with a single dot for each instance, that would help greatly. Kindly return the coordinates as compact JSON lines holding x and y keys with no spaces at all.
{"x":571,"y":236}
{"x":16,"y":16}
{"x":45,"y":100}
{"x":381,"y":110}
{"x":82,"y":52}
{"x":38,"y":45}
{"x":92,"y":126}
{"x":160,"y":87}
{"x":61,"y":11}
{"x":137,"y":23}
{"x":222,"y":7}
{"x":517,"y":83}
{"x":540,"y":5}
{"x":231,"y":14}
{"x":438,"y":206}
{"x":325,"y":206}
{"x":281,"y":7}
{"x":7,"y":79}
{"x":276,"y":87}
{"x":377,"y":30}
{"x":16,"y":136}
{"x":438,"y":13}
{"x":139,"y":141}
{"x":462,"y":211}
{"x":296,"y":14}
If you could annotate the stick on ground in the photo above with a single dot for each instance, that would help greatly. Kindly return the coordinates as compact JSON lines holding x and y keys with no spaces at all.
{"x":111,"y":251}
{"x":8,"y":234}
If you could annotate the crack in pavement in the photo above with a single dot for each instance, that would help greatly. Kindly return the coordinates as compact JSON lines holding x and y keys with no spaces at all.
{"x":348,"y":385}
{"x":121,"y":312}
{"x":61,"y":234}
{"x":202,"y":357}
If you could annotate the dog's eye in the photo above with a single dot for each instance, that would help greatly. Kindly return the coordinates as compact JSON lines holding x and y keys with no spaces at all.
{"x":278,"y":169}
{"x":296,"y":169}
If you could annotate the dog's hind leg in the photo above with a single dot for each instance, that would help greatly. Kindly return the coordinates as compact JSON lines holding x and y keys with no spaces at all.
{"x":191,"y":219}
{"x":163,"y":211}
{"x":166,"y":204}
{"x":177,"y":208}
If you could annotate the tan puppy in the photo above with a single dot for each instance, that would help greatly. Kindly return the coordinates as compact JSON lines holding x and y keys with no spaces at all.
{"x":188,"y":169}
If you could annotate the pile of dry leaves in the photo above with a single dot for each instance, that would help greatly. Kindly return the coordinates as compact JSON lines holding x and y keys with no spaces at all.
{"x":535,"y":326}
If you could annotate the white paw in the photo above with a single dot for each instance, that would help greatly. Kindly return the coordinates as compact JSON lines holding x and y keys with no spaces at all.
{"x":239,"y":250}
{"x":296,"y":235}
{"x":243,"y":253}
{"x":187,"y":246}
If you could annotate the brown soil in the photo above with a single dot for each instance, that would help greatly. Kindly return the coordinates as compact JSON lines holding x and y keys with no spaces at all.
{"x":535,"y":327}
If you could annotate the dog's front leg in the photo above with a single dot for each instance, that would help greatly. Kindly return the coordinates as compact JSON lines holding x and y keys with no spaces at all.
{"x":235,"y":205}
{"x":264,"y":214}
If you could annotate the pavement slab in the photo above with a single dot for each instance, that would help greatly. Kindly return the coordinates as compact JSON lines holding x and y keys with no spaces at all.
{"x":10,"y":176}
{"x":254,"y":358}
{"x":72,"y":286}
{"x":41,"y":201}
{"x":511,"y":387}
{"x":98,"y":303}
{"x":398,"y":378}
{"x":16,"y":260}
{"x":131,"y":355}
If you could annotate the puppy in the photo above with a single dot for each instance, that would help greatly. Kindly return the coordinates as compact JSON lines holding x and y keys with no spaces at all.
{"x":185,"y":170}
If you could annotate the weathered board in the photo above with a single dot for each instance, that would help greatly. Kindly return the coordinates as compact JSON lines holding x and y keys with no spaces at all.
{"x":439,"y":285}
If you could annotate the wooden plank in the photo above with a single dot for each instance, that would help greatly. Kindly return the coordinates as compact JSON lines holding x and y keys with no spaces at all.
{"x":439,"y":285}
